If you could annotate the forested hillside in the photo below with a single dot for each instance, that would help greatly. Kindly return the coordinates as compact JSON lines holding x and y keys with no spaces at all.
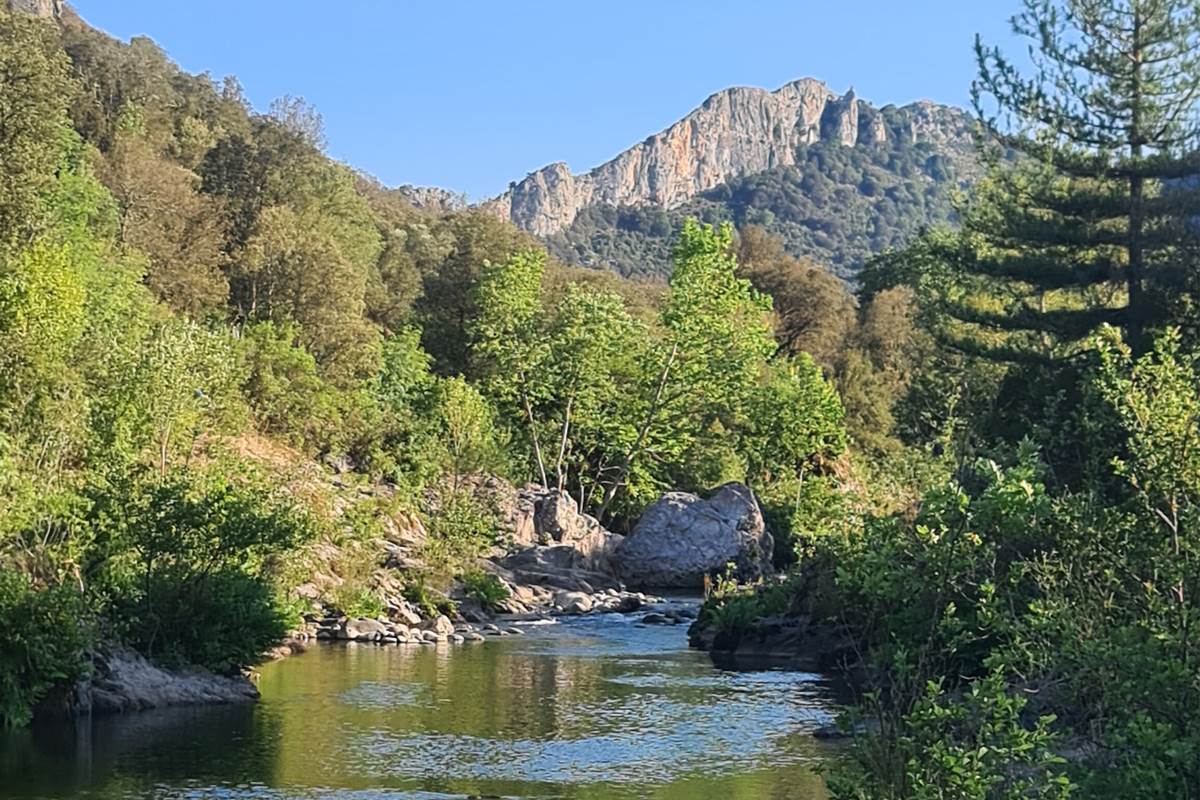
{"x":837,"y":206}
{"x":231,"y":363}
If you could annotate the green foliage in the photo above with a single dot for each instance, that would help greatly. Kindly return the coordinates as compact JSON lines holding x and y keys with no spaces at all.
{"x":837,"y":205}
{"x":46,"y":633}
{"x":698,"y":376}
{"x":281,"y":384}
{"x":356,"y":600}
{"x":484,"y":588}
{"x":794,"y":422}
{"x":460,"y":529}
{"x":34,"y":86}
{"x":735,"y":609}
{"x":426,"y":598}
{"x":971,"y":746}
{"x":186,"y":566}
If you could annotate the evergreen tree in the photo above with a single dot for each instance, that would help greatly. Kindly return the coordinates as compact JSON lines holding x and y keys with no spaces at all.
{"x":1091,"y":221}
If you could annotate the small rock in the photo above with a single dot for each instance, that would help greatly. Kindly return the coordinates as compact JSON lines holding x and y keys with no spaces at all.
{"x":657,"y":619}
{"x":573,"y":602}
{"x":406,"y":614}
{"x":442,"y":626}
{"x":363,"y":630}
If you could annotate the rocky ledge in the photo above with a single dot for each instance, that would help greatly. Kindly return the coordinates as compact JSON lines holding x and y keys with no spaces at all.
{"x":122,"y":680}
{"x":443,"y":630}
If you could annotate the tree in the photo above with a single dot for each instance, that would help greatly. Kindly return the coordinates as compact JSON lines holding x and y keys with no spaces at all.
{"x":594,"y":346}
{"x":467,"y":428}
{"x":814,"y":313}
{"x":794,"y":422}
{"x":1092,"y":223}
{"x":34,"y":130}
{"x":164,"y":216}
{"x":507,"y":336}
{"x":447,"y":306}
{"x":716,"y":339}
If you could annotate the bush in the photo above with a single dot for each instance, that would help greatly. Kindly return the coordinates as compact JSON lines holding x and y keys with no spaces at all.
{"x":356,"y":600}
{"x":485,"y":589}
{"x":427,"y":599}
{"x":968,"y":746}
{"x":736,"y":608}
{"x":460,"y":530}
{"x":46,"y":634}
{"x":188,"y":581}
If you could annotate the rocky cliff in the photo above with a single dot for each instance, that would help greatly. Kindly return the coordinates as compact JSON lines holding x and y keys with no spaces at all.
{"x":737,"y":132}
{"x":51,"y":9}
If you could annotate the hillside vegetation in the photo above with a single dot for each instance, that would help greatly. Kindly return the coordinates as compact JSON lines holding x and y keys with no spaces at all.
{"x":837,"y":206}
{"x":197,"y":306}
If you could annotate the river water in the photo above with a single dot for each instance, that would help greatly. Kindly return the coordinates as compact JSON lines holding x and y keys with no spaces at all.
{"x":594,"y":707}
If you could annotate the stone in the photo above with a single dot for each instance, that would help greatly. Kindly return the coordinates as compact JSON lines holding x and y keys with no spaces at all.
{"x":627,"y":604}
{"x":363,"y":630}
{"x":429,"y":636}
{"x":681,"y":538}
{"x":573,"y":602}
{"x":658,"y":619}
{"x":123,"y":680}
{"x":49,"y":9}
{"x":407,"y":614}
{"x":442,"y":625}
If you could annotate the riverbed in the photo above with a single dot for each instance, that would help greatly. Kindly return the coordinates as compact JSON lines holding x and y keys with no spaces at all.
{"x":589,"y":707}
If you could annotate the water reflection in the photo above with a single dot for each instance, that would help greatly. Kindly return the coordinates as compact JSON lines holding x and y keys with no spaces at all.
{"x":597,"y":708}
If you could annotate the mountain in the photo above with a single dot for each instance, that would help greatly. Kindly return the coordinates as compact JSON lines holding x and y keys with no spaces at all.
{"x":837,"y":178}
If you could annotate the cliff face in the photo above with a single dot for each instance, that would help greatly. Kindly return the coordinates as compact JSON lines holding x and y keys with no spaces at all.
{"x":51,"y":9}
{"x":736,"y":132}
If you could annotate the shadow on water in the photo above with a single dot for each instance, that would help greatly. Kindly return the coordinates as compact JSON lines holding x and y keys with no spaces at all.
{"x":594,"y":708}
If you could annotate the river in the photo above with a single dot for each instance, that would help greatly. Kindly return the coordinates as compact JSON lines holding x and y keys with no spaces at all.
{"x":592,"y":707}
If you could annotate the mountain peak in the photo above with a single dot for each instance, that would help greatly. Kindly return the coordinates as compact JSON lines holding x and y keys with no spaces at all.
{"x":736,"y":132}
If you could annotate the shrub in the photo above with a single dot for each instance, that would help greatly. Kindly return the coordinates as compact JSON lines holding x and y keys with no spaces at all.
{"x":972,"y":746}
{"x":45,"y":634}
{"x":485,"y":589}
{"x":188,"y":580}
{"x":460,"y":530}
{"x":426,"y":598}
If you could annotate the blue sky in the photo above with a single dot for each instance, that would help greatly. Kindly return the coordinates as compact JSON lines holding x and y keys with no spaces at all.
{"x":471,"y":95}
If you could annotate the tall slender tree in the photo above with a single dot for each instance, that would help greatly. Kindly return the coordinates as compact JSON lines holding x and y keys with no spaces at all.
{"x":1087,"y":215}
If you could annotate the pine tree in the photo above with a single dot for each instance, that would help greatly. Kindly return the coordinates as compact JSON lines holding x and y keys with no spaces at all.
{"x":1086,"y":217}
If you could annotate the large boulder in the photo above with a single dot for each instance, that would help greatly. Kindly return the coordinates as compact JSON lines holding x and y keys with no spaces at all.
{"x":122,"y":680}
{"x":681,"y":538}
{"x":548,"y":518}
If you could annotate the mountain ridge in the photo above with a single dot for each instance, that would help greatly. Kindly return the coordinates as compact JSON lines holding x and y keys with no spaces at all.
{"x":736,"y":132}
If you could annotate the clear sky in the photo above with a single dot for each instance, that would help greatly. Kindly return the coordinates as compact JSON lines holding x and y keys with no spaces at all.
{"x":470,"y":95}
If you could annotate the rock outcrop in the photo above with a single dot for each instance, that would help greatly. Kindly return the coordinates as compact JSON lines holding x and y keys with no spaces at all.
{"x":736,"y":132}
{"x":548,"y":519}
{"x":49,"y":9}
{"x":681,"y":538}
{"x":123,"y":680}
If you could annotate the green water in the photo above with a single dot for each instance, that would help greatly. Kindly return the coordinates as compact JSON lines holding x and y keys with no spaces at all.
{"x":594,"y":708}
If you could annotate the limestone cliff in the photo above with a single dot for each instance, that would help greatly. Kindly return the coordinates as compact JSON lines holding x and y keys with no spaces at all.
{"x":737,"y":132}
{"x":51,"y":9}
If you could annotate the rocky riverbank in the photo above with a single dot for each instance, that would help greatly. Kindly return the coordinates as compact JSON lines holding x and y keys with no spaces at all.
{"x":442,"y":629}
{"x":122,"y":681}
{"x":551,"y":559}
